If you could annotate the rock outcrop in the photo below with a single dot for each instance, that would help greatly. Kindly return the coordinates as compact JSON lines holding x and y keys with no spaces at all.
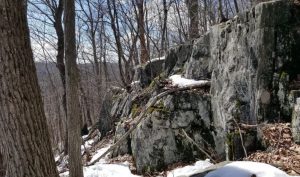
{"x":253,"y":59}
{"x":252,"y":62}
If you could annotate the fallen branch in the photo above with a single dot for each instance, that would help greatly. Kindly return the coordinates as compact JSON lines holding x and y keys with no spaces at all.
{"x":193,"y":142}
{"x":151,"y":102}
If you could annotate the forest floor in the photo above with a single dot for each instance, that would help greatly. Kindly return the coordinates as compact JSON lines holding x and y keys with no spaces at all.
{"x":280,"y":151}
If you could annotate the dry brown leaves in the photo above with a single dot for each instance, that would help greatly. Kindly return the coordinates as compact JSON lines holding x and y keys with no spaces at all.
{"x":281,"y":151}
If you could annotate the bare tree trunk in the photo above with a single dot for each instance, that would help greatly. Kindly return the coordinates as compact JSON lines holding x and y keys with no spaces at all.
{"x":60,"y":64}
{"x":236,"y":6}
{"x":164,"y":29}
{"x":86,"y":105}
{"x":194,"y":18}
{"x":221,"y":14}
{"x":205,"y":15}
{"x":72,"y":90}
{"x":141,"y":29}
{"x":181,"y":30}
{"x":25,"y":145}
{"x":114,"y":22}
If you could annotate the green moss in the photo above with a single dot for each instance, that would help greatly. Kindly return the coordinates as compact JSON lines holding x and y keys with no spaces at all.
{"x":283,"y":76}
{"x":147,"y":169}
{"x":229,"y":139}
{"x":159,"y":107}
{"x":152,"y":84}
{"x":230,"y":143}
{"x":135,"y":110}
{"x":115,"y":97}
{"x":238,"y":103}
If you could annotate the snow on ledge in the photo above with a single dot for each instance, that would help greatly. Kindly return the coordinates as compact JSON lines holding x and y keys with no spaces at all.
{"x":156,"y":59}
{"x":178,"y":80}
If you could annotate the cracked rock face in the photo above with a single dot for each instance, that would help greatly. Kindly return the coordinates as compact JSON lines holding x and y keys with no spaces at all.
{"x":253,"y":59}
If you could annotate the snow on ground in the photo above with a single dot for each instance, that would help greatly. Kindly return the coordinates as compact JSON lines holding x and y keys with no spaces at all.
{"x":247,"y":169}
{"x":102,"y":169}
{"x":178,"y":80}
{"x":190,"y":169}
{"x":237,"y":168}
{"x":105,"y":170}
{"x":87,"y":145}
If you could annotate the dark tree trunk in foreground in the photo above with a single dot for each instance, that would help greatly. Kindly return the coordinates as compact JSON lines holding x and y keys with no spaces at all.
{"x":25,"y":145}
{"x":2,"y":166}
{"x":72,"y":91}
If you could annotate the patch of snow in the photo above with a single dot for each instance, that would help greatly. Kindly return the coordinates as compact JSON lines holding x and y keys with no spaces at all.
{"x":57,"y":158}
{"x":89,"y":142}
{"x":135,"y":82}
{"x":87,"y":145}
{"x":105,"y":170}
{"x":84,"y":136}
{"x":247,"y":169}
{"x":156,"y":59}
{"x":178,"y":80}
{"x":298,"y":101}
{"x":102,"y":169}
{"x":190,"y":169}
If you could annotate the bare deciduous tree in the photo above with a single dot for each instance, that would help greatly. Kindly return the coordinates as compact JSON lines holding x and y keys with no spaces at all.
{"x":72,"y":91}
{"x":141,"y":29}
{"x":193,"y":8}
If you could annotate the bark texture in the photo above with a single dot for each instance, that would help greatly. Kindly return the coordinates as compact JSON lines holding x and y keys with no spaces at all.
{"x":141,"y":29}
{"x":193,"y":7}
{"x":25,"y":145}
{"x":60,"y":59}
{"x":72,"y":91}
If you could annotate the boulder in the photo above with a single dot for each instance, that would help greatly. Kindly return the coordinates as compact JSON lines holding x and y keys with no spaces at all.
{"x":144,"y":74}
{"x":176,"y":58}
{"x":125,"y":147}
{"x":197,"y":65}
{"x":157,"y":141}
